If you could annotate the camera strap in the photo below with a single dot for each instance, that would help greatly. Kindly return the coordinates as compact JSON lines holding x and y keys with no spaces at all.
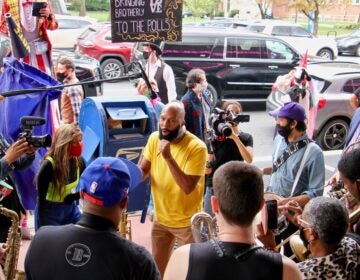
{"x":290,"y":150}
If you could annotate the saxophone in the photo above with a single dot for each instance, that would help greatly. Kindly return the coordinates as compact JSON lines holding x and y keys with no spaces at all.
{"x":125,"y":225}
{"x":13,"y":246}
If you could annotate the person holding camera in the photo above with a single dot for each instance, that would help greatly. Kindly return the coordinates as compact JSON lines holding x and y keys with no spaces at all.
{"x":17,"y":156}
{"x":58,"y":177}
{"x":298,"y":171}
{"x":237,"y":146}
{"x":234,"y":254}
{"x":197,"y":104}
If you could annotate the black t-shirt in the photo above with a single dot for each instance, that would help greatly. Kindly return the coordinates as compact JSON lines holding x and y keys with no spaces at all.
{"x":73,"y":252}
{"x":226,"y":150}
{"x":206,"y":263}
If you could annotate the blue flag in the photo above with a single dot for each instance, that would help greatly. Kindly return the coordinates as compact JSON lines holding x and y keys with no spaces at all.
{"x":18,"y":76}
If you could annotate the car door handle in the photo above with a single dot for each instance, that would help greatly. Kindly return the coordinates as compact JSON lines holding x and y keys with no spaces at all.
{"x":234,"y":65}
{"x":273,"y":66}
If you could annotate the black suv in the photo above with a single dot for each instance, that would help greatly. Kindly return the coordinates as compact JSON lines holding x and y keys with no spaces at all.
{"x":238,"y":65}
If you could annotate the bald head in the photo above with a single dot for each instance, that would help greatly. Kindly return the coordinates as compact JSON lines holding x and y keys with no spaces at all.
{"x":175,"y":108}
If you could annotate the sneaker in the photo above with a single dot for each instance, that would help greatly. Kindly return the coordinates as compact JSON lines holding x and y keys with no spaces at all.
{"x":26,"y":234}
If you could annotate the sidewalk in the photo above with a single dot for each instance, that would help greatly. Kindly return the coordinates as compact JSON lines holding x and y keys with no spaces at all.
{"x":140,"y":235}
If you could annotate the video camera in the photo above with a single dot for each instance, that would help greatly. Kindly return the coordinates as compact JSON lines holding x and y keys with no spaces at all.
{"x":219,"y":119}
{"x":27,"y":125}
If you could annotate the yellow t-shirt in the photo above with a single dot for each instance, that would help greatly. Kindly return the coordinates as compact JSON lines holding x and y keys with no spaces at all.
{"x":174,"y":208}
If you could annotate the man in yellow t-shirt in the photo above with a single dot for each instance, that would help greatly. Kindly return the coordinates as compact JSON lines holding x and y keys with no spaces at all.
{"x":175,"y":161}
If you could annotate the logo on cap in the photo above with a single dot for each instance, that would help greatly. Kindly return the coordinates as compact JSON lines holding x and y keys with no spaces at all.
{"x":93,"y":187}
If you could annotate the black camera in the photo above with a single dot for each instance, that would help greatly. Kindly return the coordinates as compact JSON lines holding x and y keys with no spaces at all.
{"x":219,"y":120}
{"x":27,"y":125}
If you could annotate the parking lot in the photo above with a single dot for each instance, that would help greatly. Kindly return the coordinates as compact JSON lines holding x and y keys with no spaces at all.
{"x":261,"y":126}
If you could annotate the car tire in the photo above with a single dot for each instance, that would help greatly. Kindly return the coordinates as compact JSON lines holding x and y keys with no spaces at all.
{"x":357,"y":53}
{"x":213,"y":94}
{"x":112,"y":68}
{"x":326,"y":53}
{"x":333,"y":135}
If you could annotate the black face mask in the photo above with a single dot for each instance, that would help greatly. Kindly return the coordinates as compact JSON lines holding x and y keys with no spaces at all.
{"x":60,"y":76}
{"x":284,"y":131}
{"x":302,"y":237}
{"x":145,"y":55}
{"x":172,"y":135}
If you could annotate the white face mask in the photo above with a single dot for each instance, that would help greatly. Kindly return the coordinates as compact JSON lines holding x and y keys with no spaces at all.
{"x":201,"y":87}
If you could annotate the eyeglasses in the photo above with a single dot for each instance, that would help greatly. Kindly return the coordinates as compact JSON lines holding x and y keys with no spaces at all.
{"x":304,"y":224}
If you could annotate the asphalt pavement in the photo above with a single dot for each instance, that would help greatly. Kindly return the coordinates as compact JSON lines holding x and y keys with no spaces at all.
{"x":261,"y":127}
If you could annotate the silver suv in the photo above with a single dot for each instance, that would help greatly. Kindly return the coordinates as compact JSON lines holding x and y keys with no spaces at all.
{"x":333,"y":82}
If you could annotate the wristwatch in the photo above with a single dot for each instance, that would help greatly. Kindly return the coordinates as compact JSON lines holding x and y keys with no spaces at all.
{"x":50,"y":17}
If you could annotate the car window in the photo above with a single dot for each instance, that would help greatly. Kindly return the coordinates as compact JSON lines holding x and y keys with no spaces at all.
{"x":87,"y":34}
{"x":318,"y":85}
{"x":72,"y":23}
{"x":243,"y":48}
{"x":192,"y":46}
{"x":299,"y":32}
{"x":281,"y":31}
{"x":256,"y":28}
{"x":278,"y":50}
{"x":351,"y":85}
{"x":107,"y":36}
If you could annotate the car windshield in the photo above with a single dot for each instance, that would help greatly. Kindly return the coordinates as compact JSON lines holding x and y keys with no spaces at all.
{"x":356,"y":33}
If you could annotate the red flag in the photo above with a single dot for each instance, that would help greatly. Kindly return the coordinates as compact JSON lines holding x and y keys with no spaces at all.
{"x":304,"y":61}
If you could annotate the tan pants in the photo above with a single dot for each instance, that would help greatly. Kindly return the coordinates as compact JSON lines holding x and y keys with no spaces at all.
{"x":163,"y":239}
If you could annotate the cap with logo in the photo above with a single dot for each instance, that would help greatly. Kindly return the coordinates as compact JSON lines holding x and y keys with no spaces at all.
{"x":108,"y":180}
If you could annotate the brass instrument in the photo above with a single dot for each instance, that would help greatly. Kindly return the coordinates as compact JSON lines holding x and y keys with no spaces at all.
{"x":203,"y":227}
{"x":125,"y":226}
{"x":13,"y":246}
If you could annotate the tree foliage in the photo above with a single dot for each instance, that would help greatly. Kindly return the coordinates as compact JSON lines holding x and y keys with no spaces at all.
{"x":311,"y":8}
{"x":201,"y":7}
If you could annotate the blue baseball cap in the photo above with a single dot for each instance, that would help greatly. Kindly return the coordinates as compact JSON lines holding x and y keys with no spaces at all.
{"x":293,"y":111}
{"x":108,"y":180}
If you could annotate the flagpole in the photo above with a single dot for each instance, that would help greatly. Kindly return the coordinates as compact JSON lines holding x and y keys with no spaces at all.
{"x":41,"y":89}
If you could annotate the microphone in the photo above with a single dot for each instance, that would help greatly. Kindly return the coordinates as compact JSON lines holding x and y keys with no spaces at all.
{"x":32,"y":121}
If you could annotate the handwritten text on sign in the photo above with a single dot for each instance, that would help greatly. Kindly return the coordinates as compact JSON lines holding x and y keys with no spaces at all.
{"x":146,"y":20}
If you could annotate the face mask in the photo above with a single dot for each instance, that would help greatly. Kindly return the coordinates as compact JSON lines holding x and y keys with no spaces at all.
{"x":201,"y":88}
{"x":177,"y":133}
{"x":60,"y":76}
{"x":76,"y":150}
{"x":302,"y":237}
{"x":284,"y":131}
{"x":145,"y":55}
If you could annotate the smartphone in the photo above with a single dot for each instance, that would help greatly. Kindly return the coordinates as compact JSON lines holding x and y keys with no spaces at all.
{"x":36,"y":7}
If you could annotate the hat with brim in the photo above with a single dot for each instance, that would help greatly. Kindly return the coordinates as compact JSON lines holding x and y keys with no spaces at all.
{"x":108,"y":180}
{"x":154,"y":47}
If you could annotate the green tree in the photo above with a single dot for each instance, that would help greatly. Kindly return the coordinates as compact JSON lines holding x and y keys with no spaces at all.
{"x":200,"y":7}
{"x":265,"y":6}
{"x":311,"y":8}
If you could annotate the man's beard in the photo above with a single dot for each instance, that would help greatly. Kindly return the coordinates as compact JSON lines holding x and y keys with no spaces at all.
{"x":172,"y":134}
